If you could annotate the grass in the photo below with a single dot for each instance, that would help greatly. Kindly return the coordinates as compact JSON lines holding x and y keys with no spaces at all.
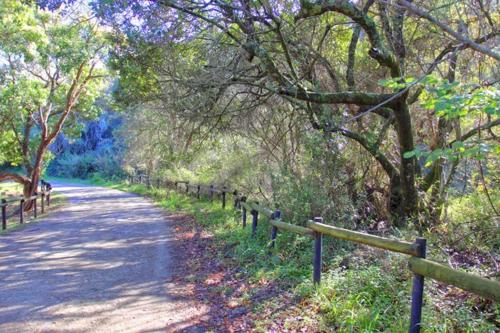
{"x":362,"y":290}
{"x":10,"y":189}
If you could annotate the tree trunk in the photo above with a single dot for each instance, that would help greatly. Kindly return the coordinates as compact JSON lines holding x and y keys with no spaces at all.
{"x":408,"y":168}
{"x":31,"y":187}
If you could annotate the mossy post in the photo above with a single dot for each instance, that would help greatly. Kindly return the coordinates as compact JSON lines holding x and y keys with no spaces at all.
{"x":243,"y":212}
{"x":255,"y":219}
{"x":318,"y":244}
{"x":21,"y":208}
{"x":4,"y":214}
{"x":274,"y":231}
{"x":417,"y":292}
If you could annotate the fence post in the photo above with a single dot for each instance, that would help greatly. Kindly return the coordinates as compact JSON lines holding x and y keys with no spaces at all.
{"x":236,"y":199}
{"x":211,"y":192}
{"x":224,"y":197}
{"x":198,"y":188}
{"x":34,"y":206}
{"x":243,"y":212}
{"x":318,"y":244}
{"x":417,"y":293}
{"x":21,"y":210}
{"x":274,"y":231}
{"x":43,"y":202}
{"x":4,"y":214}
{"x":187,"y":187}
{"x":255,"y":218}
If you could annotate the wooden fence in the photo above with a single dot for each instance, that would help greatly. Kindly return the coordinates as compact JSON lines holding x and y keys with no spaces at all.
{"x":316,"y":229}
{"x":18,"y":203}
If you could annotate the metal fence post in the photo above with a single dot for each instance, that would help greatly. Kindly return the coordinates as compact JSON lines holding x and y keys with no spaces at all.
{"x":224,"y":197}
{"x":255,"y":219}
{"x":274,"y":231}
{"x":417,"y":293}
{"x":318,"y":244}
{"x":4,"y":214}
{"x":21,"y":209}
{"x":243,"y":212}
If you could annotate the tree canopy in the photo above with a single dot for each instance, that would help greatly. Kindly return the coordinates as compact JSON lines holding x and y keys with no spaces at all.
{"x":52,"y":71}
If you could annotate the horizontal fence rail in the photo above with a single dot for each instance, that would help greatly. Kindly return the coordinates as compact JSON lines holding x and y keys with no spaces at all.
{"x":316,"y":229}
{"x":486,"y":288}
{"x":291,"y":227}
{"x":20,"y":202}
{"x":364,"y":238}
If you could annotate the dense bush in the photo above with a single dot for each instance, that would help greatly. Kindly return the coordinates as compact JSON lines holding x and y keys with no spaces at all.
{"x":97,"y":150}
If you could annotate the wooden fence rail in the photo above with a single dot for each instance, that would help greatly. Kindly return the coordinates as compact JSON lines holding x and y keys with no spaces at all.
{"x":21,"y":202}
{"x":420,"y":266}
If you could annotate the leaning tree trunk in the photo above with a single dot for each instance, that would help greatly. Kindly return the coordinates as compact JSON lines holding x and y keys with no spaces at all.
{"x":30,"y":188}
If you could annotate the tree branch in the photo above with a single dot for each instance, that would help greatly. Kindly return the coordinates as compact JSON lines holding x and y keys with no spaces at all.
{"x":379,"y":51}
{"x":15,"y":177}
{"x":458,"y":36}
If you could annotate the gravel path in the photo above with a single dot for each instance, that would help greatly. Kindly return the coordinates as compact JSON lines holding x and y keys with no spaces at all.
{"x":102,"y":263}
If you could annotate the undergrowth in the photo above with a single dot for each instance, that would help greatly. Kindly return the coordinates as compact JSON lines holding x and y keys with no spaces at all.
{"x":362,"y":290}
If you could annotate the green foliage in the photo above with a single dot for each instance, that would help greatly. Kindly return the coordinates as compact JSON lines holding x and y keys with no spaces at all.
{"x":52,"y":71}
{"x":398,"y":83}
{"x":465,"y":103}
{"x":7,"y":153}
{"x":455,"y":100}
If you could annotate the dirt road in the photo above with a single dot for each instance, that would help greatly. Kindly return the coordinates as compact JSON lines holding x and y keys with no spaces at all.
{"x":102,"y":263}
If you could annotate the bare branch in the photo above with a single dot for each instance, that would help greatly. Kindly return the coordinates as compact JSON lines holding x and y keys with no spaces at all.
{"x":458,"y":36}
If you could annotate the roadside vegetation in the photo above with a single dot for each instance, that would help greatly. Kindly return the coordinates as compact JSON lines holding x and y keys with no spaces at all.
{"x":362,"y":290}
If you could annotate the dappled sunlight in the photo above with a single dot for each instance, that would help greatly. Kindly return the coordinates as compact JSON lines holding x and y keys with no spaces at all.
{"x":103,"y":262}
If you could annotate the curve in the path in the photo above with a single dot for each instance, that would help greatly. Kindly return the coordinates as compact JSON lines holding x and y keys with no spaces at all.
{"x":100,"y":264}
